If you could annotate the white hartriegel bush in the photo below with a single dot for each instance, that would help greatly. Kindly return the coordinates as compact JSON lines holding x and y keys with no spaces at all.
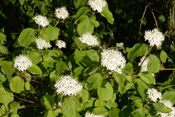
{"x":61,"y":44}
{"x":61,"y":13}
{"x":97,"y":4}
{"x":41,"y":44}
{"x":153,"y":94}
{"x":41,"y":20}
{"x":89,"y":39}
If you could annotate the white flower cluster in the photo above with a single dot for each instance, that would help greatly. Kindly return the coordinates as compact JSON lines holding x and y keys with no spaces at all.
{"x":89,"y":39}
{"x":153,"y":94}
{"x":168,"y":104}
{"x":144,"y":63}
{"x":97,"y":5}
{"x":41,"y":20}
{"x":41,"y":44}
{"x":92,"y":115}
{"x":61,"y":13}
{"x":22,"y":62}
{"x":113,"y":60}
{"x":154,"y":37}
{"x":61,"y":44}
{"x":67,"y":85}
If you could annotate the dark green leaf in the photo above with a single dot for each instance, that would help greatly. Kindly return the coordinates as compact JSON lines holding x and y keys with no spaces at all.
{"x":107,"y":14}
{"x":169,"y":95}
{"x":60,"y":67}
{"x":6,"y":68}
{"x":141,"y":87}
{"x":48,"y":101}
{"x":3,"y":49}
{"x":93,"y":55}
{"x":161,"y":107}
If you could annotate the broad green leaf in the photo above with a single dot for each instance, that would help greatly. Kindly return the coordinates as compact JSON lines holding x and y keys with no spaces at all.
{"x":44,"y":35}
{"x":128,"y":68}
{"x":94,"y":21}
{"x":27,"y":85}
{"x":107,"y":14}
{"x":154,"y":64}
{"x":147,"y":77}
{"x":17,"y":84}
{"x":82,"y":11}
{"x":35,"y":57}
{"x":48,"y":101}
{"x":14,"y":115}
{"x":3,"y":110}
{"x":162,"y":18}
{"x":105,"y":92}
{"x":50,"y":113}
{"x":85,"y":26}
{"x":84,"y":94}
{"x":99,"y":103}
{"x":79,"y":3}
{"x":53,"y":76}
{"x":163,"y":56}
{"x":138,"y":49}
{"x":80,"y":44}
{"x":169,"y":95}
{"x":141,"y":87}
{"x":52,"y":32}
{"x":21,"y":2}
{"x":6,"y":68}
{"x":34,"y":69}
{"x":6,"y":95}
{"x":95,"y":80}
{"x":100,"y":111}
{"x":60,"y":67}
{"x":78,"y":71}
{"x":70,"y":106}
{"x":14,"y":106}
{"x":138,"y":112}
{"x":126,"y":111}
{"x":161,"y":107}
{"x":93,"y":55}
{"x":3,"y":49}
{"x":2,"y":37}
{"x":114,"y":112}
{"x":26,"y":37}
{"x":2,"y":78}
{"x":79,"y":55}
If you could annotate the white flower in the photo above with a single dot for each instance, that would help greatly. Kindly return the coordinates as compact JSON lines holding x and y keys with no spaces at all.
{"x":144,"y":63}
{"x":92,"y":115}
{"x":41,"y":44}
{"x":60,"y":104}
{"x":154,"y":37}
{"x":61,"y":44}
{"x":61,"y":13}
{"x":89,"y":39}
{"x":68,"y":86}
{"x":113,"y":60}
{"x":153,"y":94}
{"x":167,"y":103}
{"x":41,"y":20}
{"x":22,"y":62}
{"x":97,"y":4}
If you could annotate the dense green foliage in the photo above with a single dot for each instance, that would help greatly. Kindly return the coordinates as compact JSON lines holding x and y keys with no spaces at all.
{"x":32,"y":92}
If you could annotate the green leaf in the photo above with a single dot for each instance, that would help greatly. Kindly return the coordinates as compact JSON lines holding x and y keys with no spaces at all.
{"x":14,"y":115}
{"x":105,"y":92}
{"x":141,"y":87}
{"x":162,"y":18}
{"x":114,"y":112}
{"x":85,"y":26}
{"x":84,"y":94}
{"x":163,"y":56}
{"x":70,"y":106}
{"x":93,"y":55}
{"x":6,"y":95}
{"x":107,"y":14}
{"x":26,"y":37}
{"x":161,"y":107}
{"x":79,"y":55}
{"x":52,"y":32}
{"x":100,"y":111}
{"x":154,"y":64}
{"x":3,"y":110}
{"x":95,"y":80}
{"x":2,"y":78}
{"x":82,"y":11}
{"x":27,"y":85}
{"x":17,"y":84}
{"x":94,"y":21}
{"x":128,"y":68}
{"x":35,"y":57}
{"x":3,"y":49}
{"x":14,"y":106}
{"x":79,"y":3}
{"x":34,"y":69}
{"x":99,"y":103}
{"x":169,"y":95}
{"x":147,"y":77}
{"x":50,"y":113}
{"x":2,"y":37}
{"x":78,"y":71}
{"x":139,"y":49}
{"x":6,"y":68}
{"x":60,"y":67}
{"x":48,"y":101}
{"x":138,"y":112}
{"x":80,"y":44}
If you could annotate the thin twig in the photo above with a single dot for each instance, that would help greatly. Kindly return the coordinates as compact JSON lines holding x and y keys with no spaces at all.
{"x":167,"y":69}
{"x":143,"y":17}
{"x":154,"y":19}
{"x":21,"y":74}
{"x":24,"y":99}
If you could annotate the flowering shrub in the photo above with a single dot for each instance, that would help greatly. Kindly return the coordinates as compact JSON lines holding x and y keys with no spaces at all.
{"x":78,"y":59}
